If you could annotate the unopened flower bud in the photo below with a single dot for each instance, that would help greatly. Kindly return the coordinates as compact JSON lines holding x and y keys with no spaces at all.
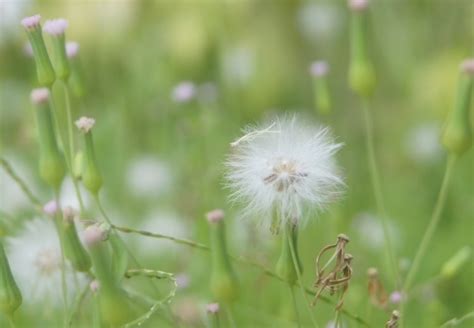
{"x":184,"y":92}
{"x":56,"y":28}
{"x":457,"y":134}
{"x":94,"y":286}
{"x":224,"y":284}
{"x":322,"y":99}
{"x":44,"y":69}
{"x":76,"y":80}
{"x":50,"y":208}
{"x":212,"y":308}
{"x":91,"y":176}
{"x":94,"y":234}
{"x":51,"y":163}
{"x":10,"y":295}
{"x":455,"y":263}
{"x":69,"y":214}
{"x":361,"y":71}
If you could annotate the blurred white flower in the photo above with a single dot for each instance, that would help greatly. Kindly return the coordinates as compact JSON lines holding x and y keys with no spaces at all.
{"x":317,"y":21}
{"x":238,"y":64}
{"x":35,"y":259}
{"x":370,"y":230}
{"x":284,"y":169}
{"x":422,"y":143}
{"x":148,"y":176}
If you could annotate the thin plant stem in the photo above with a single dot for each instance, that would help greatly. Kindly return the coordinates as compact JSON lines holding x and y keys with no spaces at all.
{"x":230,"y":315}
{"x":300,"y":280}
{"x":337,"y":319}
{"x":432,"y":225}
{"x":377,"y":189}
{"x":63,"y":258}
{"x":456,"y":322}
{"x":295,"y":306}
{"x":71,"y":151}
{"x":10,"y":321}
{"x":19,"y":181}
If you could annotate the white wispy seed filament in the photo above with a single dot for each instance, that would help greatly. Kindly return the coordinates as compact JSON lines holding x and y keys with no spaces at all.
{"x":286,"y":169}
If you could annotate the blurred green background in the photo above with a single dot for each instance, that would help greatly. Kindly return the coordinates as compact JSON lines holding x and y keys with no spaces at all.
{"x":162,"y":159}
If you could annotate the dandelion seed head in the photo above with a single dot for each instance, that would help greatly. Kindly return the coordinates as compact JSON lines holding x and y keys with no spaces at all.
{"x":358,"y":5}
{"x":215,"y":216}
{"x":31,"y":22}
{"x":286,"y":168}
{"x":85,"y":124}
{"x":184,"y":92}
{"x":319,"y":68}
{"x":72,"y":49}
{"x":39,"y":96}
{"x":467,"y":66}
{"x":35,"y":258}
{"x":50,"y":208}
{"x":212,"y":308}
{"x":55,"y":27}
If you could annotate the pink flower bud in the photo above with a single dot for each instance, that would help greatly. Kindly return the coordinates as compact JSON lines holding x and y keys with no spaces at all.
{"x":31,"y":22}
{"x":39,"y":96}
{"x":467,"y":66}
{"x":319,"y":68}
{"x":396,"y":297}
{"x":94,"y":285}
{"x":69,"y":214}
{"x":55,"y":27}
{"x":358,"y":5}
{"x":94,"y":234}
{"x":184,"y":92}
{"x":72,"y":49}
{"x":215,"y":216}
{"x":50,"y":208}
{"x":212,"y":308}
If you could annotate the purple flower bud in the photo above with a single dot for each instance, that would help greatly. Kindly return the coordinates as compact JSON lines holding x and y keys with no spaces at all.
{"x":72,"y":49}
{"x":319,"y":68}
{"x":50,"y":208}
{"x":212,"y":308}
{"x":55,"y":27}
{"x":184,"y":92}
{"x":358,"y":5}
{"x":31,"y":22}
{"x":39,"y":96}
{"x":467,"y":66}
{"x":215,"y":216}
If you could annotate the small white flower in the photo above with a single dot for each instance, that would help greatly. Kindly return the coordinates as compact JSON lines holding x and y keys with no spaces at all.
{"x":284,"y":169}
{"x":55,"y":27}
{"x":35,"y":259}
{"x":85,"y":124}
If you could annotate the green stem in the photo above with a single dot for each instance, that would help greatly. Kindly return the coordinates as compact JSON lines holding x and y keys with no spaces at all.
{"x":337,"y":319}
{"x":295,"y":306}
{"x":230,"y":315}
{"x":433,"y":224}
{"x":300,"y":280}
{"x":58,"y":223}
{"x":456,"y":322}
{"x":11,"y":172}
{"x":71,"y":151}
{"x":377,"y":189}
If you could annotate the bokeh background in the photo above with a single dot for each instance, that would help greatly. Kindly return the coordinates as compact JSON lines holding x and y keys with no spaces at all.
{"x":242,"y":62}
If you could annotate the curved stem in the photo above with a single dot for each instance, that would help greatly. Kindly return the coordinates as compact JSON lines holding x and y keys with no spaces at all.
{"x":432,"y":225}
{"x":57,"y":221}
{"x":300,"y":280}
{"x":377,"y":189}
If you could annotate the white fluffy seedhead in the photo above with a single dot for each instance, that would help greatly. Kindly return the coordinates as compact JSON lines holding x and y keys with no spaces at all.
{"x":55,"y":27}
{"x":85,"y":124}
{"x":31,"y":22}
{"x":286,"y":169}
